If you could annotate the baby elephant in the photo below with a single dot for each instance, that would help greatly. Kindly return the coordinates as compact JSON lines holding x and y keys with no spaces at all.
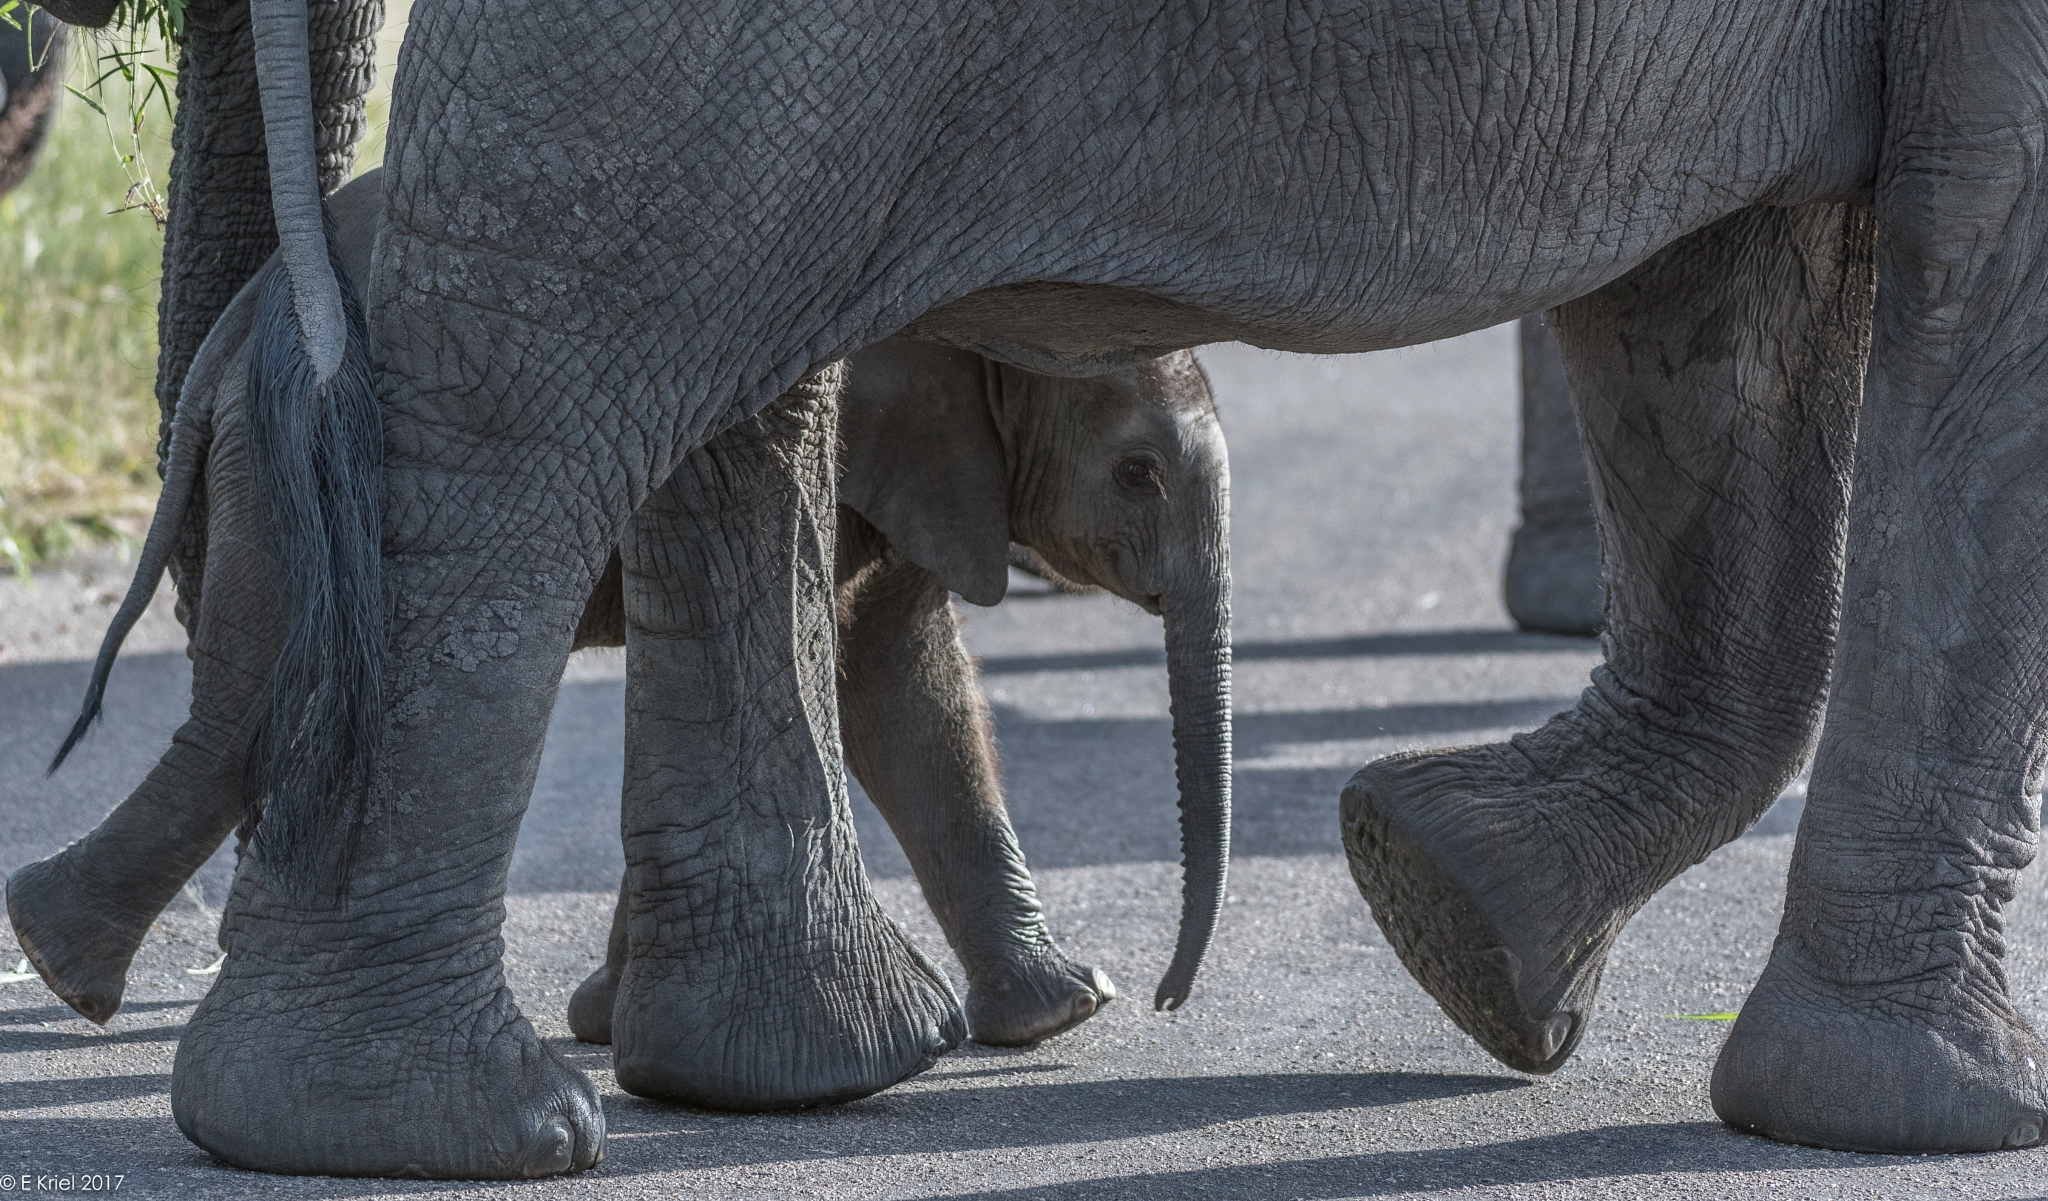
{"x":1115,"y":481}
{"x":1118,"y":481}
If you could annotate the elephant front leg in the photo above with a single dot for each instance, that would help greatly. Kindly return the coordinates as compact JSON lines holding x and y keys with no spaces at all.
{"x":760,"y":971}
{"x":1717,"y":386}
{"x":918,"y":736}
{"x":1883,"y":1021}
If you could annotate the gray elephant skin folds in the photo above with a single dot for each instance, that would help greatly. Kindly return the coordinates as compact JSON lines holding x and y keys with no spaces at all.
{"x":1790,"y":253}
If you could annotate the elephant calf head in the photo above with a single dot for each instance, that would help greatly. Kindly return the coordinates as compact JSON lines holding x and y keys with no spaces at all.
{"x":1119,"y":480}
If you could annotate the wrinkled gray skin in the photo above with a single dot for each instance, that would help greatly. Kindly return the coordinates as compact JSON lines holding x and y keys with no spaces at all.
{"x":569,"y":311}
{"x":1122,"y":479}
{"x":81,"y":914}
{"x":1552,"y":583}
{"x":1118,"y":482}
{"x":31,"y":78}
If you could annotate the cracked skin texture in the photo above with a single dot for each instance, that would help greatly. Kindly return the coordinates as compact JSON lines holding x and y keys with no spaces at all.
{"x":988,"y":455}
{"x":1327,"y":154}
{"x":563,"y":315}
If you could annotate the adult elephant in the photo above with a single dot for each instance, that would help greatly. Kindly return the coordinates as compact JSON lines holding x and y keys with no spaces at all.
{"x":31,"y":77}
{"x":1120,"y":480}
{"x":569,"y":305}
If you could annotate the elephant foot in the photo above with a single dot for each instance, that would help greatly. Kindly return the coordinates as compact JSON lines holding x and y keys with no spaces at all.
{"x":1553,"y":583}
{"x":590,"y":1007}
{"x":1481,"y":890}
{"x":1027,"y":999}
{"x":81,"y":940}
{"x":1859,"y":1069}
{"x":417,"y":1070}
{"x":781,"y":1018}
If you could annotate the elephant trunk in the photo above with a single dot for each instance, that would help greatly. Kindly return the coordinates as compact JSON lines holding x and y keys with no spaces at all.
{"x":1198,"y":680}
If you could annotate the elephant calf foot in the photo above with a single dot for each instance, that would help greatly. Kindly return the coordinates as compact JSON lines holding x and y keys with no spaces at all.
{"x":1029,"y":998}
{"x":80,"y":939}
{"x":1843,"y":1068}
{"x":779,"y":1018}
{"x":1502,"y":885}
{"x":417,"y":1070}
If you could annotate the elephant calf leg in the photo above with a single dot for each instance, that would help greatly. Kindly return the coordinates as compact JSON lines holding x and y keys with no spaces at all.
{"x":760,"y":971}
{"x":918,"y":738}
{"x":1718,"y":385}
{"x":81,"y":914}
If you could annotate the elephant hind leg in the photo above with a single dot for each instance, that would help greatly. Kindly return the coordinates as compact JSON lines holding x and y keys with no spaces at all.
{"x":374,"y":1034}
{"x":761,"y":973}
{"x":82,"y":914}
{"x":1717,"y":387}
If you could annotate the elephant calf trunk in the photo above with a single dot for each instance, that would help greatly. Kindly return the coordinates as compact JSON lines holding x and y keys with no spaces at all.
{"x":1198,"y":680}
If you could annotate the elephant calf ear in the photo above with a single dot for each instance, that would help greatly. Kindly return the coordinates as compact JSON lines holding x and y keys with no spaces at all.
{"x":922,"y":461}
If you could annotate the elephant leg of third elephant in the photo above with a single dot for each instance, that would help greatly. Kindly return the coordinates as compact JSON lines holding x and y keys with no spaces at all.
{"x":1553,"y":580}
{"x":918,"y":738}
{"x":590,"y":1006}
{"x":81,"y":914}
{"x":1721,"y":445}
{"x":761,"y":972}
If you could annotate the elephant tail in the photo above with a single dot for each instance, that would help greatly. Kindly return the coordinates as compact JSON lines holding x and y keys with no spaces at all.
{"x":191,"y":433}
{"x":316,"y":440}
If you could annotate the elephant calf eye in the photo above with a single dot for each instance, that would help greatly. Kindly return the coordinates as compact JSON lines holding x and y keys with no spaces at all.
{"x":1140,"y":471}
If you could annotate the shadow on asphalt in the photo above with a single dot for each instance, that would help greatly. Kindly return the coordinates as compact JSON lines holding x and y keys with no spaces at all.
{"x":1420,"y":642}
{"x":48,"y":1094}
{"x":82,"y":1035}
{"x":1085,"y":792}
{"x":1612,"y":1151}
{"x":1256,"y":734}
{"x":64,"y":1013}
{"x":989,"y":1117}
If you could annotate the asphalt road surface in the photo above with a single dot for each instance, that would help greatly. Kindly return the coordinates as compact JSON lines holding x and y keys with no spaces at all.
{"x":1373,"y":499}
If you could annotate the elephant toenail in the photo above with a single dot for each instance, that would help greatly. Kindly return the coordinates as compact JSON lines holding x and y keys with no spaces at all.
{"x":548,"y":1152}
{"x":2025,"y":1133}
{"x":1555,"y":1031}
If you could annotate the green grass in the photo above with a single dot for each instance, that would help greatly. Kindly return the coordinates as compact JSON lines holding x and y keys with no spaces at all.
{"x":78,"y":287}
{"x":78,"y":291}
